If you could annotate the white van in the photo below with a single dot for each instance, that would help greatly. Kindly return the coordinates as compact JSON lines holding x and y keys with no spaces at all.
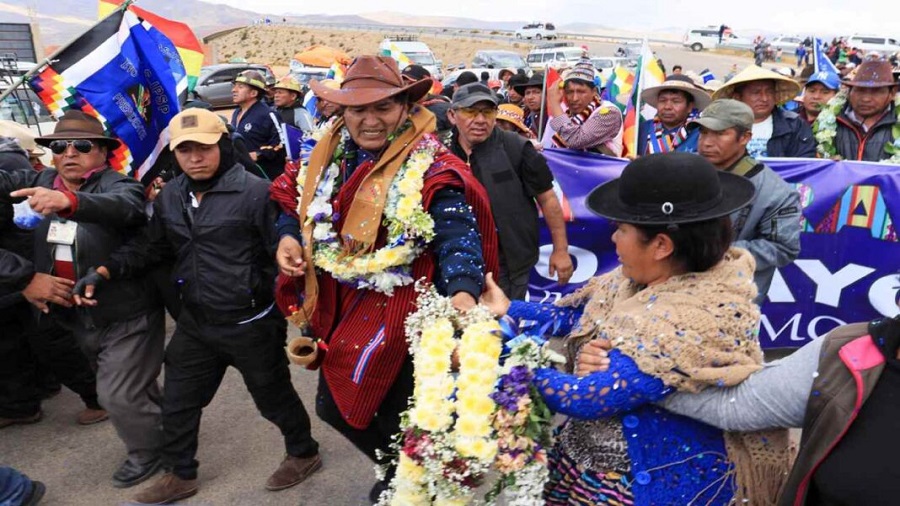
{"x":417,"y":52}
{"x":559,"y":55}
{"x":537,"y":31}
{"x":707,"y":37}
{"x":884,"y":45}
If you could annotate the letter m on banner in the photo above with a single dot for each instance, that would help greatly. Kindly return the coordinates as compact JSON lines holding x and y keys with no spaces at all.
{"x":128,"y":75}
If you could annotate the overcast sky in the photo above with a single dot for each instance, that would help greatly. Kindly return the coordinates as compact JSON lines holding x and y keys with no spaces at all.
{"x":802,"y":17}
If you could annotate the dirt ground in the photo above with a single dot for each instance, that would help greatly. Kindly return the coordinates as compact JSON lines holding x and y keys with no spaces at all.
{"x":275,"y":45}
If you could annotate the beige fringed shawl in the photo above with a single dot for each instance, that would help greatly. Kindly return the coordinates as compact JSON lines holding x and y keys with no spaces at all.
{"x":693,"y":331}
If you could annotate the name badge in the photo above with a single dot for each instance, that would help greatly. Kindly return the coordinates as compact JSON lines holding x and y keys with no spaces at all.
{"x":62,"y":232}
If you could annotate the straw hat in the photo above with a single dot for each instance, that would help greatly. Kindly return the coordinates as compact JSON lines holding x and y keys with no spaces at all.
{"x":785,"y":87}
{"x":514,"y":115}
{"x":701,"y":98}
{"x":22,"y":135}
{"x":289,"y":83}
{"x":370,"y":79}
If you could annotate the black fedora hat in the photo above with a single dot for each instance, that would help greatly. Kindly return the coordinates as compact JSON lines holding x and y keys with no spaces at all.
{"x":536,"y":81}
{"x":671,"y":188}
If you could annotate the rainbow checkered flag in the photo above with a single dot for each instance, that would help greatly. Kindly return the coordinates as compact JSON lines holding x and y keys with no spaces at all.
{"x":127,"y":74}
{"x":181,"y":35}
{"x":649,"y":74}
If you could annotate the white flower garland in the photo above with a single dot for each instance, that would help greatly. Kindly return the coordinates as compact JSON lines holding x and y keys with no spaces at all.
{"x":410,"y":228}
{"x":455,"y":432}
{"x":825,"y":129}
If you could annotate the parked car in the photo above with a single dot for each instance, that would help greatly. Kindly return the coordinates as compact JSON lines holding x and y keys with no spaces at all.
{"x":496,"y":59}
{"x":417,"y":52}
{"x":537,"y":31}
{"x":788,"y":43}
{"x":881,"y":44}
{"x":607,"y":63}
{"x":559,"y":55}
{"x":707,"y":37}
{"x":214,"y":83}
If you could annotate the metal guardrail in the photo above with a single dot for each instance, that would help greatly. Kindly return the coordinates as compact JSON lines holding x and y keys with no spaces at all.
{"x":475,"y":33}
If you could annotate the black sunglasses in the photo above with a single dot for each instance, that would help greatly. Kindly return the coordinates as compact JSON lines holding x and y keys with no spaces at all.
{"x":81,"y":145}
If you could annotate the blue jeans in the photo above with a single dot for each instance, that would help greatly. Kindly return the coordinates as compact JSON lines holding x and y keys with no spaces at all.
{"x":15,"y":487}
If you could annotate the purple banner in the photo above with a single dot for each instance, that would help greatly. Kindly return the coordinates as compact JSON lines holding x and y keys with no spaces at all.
{"x":849,"y":259}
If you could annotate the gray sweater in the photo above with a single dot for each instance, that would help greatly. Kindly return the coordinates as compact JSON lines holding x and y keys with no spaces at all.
{"x":774,"y":397}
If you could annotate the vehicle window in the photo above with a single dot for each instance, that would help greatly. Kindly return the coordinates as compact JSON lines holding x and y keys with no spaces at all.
{"x":547,"y":57}
{"x":534,"y":58}
{"x":550,"y":26}
{"x":872,"y":40}
{"x":421,"y":58}
{"x":892,"y":42}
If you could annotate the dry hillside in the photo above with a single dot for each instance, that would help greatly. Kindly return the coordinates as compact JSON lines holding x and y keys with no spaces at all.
{"x":275,"y":45}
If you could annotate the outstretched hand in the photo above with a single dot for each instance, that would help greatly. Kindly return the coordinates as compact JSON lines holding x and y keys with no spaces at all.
{"x":493,"y":296}
{"x":43,"y":200}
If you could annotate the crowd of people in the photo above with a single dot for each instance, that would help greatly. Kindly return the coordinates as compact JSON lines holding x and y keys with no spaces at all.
{"x":235,"y":239}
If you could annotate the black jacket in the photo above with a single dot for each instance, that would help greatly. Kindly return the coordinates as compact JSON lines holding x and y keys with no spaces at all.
{"x":513,"y":174}
{"x":110,"y":209}
{"x":792,"y":137}
{"x":223,"y":252}
{"x":854,"y":144}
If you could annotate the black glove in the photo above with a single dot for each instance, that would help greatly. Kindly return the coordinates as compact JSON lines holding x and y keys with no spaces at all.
{"x":92,"y":278}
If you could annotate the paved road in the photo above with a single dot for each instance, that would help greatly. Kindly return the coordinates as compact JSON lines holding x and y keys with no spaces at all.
{"x":238,"y":451}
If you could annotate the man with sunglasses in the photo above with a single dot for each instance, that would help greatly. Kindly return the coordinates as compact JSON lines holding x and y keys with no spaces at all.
{"x":515,"y":175}
{"x":89,"y":211}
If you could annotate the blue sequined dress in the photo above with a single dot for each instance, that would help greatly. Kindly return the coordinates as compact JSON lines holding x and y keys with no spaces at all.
{"x":617,"y":447}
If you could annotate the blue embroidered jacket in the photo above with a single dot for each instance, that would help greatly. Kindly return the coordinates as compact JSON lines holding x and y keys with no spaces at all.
{"x":675,"y":460}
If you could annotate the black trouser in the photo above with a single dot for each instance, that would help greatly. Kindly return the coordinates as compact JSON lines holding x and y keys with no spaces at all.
{"x":196,"y":360}
{"x":19,"y":395}
{"x":384,"y":426}
{"x":56,"y":351}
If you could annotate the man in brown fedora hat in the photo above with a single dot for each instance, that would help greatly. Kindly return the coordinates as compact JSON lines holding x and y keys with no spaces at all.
{"x":89,"y":212}
{"x":40,"y":355}
{"x":776,"y":132}
{"x":355,"y":272}
{"x":865,"y":125}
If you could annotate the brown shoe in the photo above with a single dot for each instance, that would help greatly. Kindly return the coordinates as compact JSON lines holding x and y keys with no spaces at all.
{"x":292,"y":471}
{"x":91,"y":416}
{"x":24,"y":420}
{"x":167,"y":489}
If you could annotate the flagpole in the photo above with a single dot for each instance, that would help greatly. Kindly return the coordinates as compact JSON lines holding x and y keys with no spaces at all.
{"x":645,"y":50}
{"x":543,"y":104}
{"x":48,"y":60}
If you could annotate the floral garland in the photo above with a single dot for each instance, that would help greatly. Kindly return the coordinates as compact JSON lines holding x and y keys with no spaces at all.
{"x":825,"y":129}
{"x":457,"y":430}
{"x":410,"y":228}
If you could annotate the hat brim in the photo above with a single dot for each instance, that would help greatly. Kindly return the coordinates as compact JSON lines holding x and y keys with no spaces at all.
{"x":518,"y":124}
{"x":520,"y":88}
{"x":714,"y":124}
{"x":355,"y":97}
{"x":47,"y":139}
{"x":701,"y":98}
{"x":737,"y":192}
{"x":785,"y":87}
{"x":200,"y":138}
{"x":472,"y":100}
{"x":869,"y":84}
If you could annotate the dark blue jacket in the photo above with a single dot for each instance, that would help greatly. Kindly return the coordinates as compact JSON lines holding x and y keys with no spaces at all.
{"x":260,"y":134}
{"x":791,"y":136}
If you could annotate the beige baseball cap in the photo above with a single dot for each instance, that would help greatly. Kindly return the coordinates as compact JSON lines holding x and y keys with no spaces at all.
{"x":198,"y":125}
